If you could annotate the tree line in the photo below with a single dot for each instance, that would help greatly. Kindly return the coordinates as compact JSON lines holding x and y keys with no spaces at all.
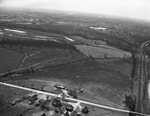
{"x":6,"y":40}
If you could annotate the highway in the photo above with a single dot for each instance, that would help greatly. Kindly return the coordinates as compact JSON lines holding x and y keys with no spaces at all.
{"x":142,"y":88}
{"x":76,"y":100}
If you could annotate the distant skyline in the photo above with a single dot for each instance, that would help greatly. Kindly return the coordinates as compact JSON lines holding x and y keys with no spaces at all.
{"x":139,"y":9}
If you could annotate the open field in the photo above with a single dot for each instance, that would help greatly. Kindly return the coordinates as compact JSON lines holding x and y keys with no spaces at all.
{"x":93,"y":78}
{"x":47,"y":54}
{"x":102,"y":52}
{"x":9,"y":60}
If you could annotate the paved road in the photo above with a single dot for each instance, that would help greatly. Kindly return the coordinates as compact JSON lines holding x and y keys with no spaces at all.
{"x":76,"y":100}
{"x":142,"y":82}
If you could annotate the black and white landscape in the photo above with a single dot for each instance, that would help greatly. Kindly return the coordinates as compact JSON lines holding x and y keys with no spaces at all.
{"x":68,"y":63}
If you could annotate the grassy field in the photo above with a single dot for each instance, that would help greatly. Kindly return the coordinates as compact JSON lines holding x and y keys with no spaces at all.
{"x":102,"y":52}
{"x":100,"y":78}
{"x":47,"y":54}
{"x":107,"y":81}
{"x":107,"y":85}
{"x":9,"y":60}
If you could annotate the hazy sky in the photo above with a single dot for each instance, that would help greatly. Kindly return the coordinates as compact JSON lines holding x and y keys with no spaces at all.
{"x":129,"y":8}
